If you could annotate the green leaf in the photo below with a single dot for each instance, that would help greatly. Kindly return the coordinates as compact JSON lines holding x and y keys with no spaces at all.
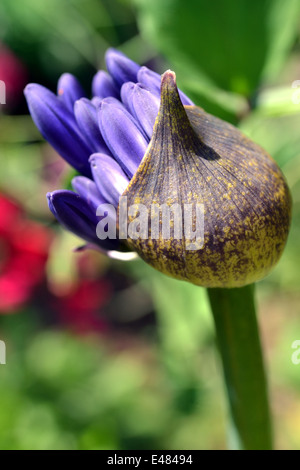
{"x":233,"y":43}
{"x":279,"y":135}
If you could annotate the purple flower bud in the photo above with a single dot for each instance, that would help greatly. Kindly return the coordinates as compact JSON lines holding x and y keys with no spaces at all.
{"x":142,"y":104}
{"x":104,"y":86}
{"x":96,"y":101}
{"x":122,"y":136}
{"x":87,"y":120}
{"x":69,"y":90}
{"x":76,"y":215}
{"x":120,"y":67}
{"x":57,"y":125}
{"x":104,"y":138}
{"x":149,"y":79}
{"x":126,"y":92}
{"x":110,"y":179}
{"x":88,"y":190}
{"x":123,"y":107}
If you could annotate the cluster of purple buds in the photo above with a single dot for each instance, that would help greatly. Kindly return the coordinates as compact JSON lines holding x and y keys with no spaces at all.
{"x":104,"y":138}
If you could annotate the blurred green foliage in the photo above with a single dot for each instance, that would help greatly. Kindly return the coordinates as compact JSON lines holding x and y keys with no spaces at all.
{"x":234,"y":43}
{"x":224,"y":49}
{"x":55,"y":36}
{"x":162,"y":389}
{"x":59,"y":392}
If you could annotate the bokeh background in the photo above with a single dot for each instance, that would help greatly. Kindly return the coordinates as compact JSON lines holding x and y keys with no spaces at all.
{"x":105,"y":355}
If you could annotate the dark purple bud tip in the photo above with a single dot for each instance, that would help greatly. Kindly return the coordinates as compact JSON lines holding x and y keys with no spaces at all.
{"x":79,"y":217}
{"x":74,"y":213}
{"x":120,"y":67}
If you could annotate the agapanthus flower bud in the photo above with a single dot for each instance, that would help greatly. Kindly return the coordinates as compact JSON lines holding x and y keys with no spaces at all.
{"x":104,"y":86}
{"x":69,"y":89}
{"x":86,"y":115}
{"x":120,"y":67}
{"x":140,"y":139}
{"x":75,"y":214}
{"x":57,"y":124}
{"x":142,"y":104}
{"x":122,"y":135}
{"x":195,"y":158}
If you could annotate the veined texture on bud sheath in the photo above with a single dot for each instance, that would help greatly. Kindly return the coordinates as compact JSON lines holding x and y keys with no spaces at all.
{"x":196,"y":158}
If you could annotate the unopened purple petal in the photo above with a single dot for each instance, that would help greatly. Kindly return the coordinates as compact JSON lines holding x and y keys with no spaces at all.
{"x":126,"y":92}
{"x":69,"y":90}
{"x":58,"y":126}
{"x":75,"y":214}
{"x":114,"y":101}
{"x":149,"y":79}
{"x":87,"y":120}
{"x":142,"y":104}
{"x":96,"y":101}
{"x":104,"y":86}
{"x":109,"y":177}
{"x":122,"y":136}
{"x":120,"y":67}
{"x":126,"y":112}
{"x":88,"y":190}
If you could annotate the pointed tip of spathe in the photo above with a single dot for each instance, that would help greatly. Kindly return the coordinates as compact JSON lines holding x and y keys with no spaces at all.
{"x":168,"y":78}
{"x":168,"y":86}
{"x":168,"y":91}
{"x":169,"y":73}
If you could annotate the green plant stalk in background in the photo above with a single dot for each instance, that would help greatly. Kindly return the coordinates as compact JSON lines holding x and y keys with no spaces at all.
{"x":239,"y":343}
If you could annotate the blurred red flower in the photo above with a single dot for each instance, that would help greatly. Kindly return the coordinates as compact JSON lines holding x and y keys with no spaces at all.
{"x":80,"y":309}
{"x":24,"y":248}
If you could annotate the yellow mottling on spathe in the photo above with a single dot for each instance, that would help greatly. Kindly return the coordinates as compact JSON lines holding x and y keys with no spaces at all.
{"x":238,"y":250}
{"x":247,"y":221}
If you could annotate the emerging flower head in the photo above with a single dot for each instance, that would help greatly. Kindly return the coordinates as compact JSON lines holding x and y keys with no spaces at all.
{"x":157,"y":148}
{"x":103,"y":138}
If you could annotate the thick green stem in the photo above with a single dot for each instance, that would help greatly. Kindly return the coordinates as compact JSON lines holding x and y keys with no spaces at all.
{"x":240,"y":348}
